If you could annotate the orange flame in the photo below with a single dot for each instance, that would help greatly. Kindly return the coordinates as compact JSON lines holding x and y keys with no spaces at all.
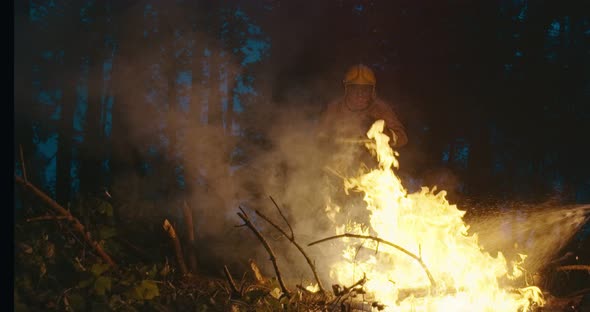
{"x":465,"y":277}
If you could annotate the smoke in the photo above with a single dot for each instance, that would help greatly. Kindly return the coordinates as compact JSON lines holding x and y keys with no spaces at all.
{"x":539,"y":231}
{"x":293,"y":171}
{"x":271,"y":151}
{"x":275,"y":151}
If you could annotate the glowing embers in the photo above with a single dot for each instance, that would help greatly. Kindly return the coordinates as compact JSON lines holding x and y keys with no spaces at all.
{"x":424,"y":258}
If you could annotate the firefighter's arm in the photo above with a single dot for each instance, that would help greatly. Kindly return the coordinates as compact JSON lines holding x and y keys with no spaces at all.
{"x":395,"y":129}
{"x":398,"y":136}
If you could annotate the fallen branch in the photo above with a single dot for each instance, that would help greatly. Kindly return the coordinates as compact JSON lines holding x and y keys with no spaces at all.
{"x":283,"y":216}
{"x":188,"y":219}
{"x":235,"y":293}
{"x":77,"y":225}
{"x":177,"y":248}
{"x":46,"y":218}
{"x":273,"y":258}
{"x":292,"y":240}
{"x":377,"y":239}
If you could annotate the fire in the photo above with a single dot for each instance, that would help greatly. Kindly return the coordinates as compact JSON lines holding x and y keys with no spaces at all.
{"x":444,"y":268}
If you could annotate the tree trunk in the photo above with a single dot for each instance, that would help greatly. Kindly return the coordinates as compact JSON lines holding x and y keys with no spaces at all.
{"x":92,"y":149}
{"x":127,"y":99}
{"x":65,"y":130}
{"x":24,"y":58}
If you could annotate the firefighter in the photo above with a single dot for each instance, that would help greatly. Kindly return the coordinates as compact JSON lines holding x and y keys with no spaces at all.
{"x":342,"y":133}
{"x":351,"y":116}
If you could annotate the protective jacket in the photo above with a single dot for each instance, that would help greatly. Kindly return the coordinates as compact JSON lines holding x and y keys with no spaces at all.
{"x":339,"y":121}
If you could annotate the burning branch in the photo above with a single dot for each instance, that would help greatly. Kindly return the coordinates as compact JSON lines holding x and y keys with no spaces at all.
{"x":343,"y":293}
{"x":339,"y":291}
{"x":177,"y":249}
{"x":273,"y":258}
{"x":377,"y":239}
{"x":291,"y":238}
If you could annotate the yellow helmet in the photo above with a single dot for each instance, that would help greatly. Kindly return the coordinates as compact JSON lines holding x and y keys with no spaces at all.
{"x":360,"y":74}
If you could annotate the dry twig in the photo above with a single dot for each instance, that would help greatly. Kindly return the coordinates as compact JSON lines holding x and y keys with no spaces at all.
{"x":283,"y":216}
{"x":377,"y":239}
{"x":177,"y":248}
{"x":235,"y":293}
{"x":292,"y":240}
{"x":273,"y":258}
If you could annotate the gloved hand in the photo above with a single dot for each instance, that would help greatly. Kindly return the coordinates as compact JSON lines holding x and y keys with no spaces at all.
{"x":393,"y":137}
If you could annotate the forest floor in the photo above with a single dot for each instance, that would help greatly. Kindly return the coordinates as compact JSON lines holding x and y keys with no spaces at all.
{"x":109,"y":266}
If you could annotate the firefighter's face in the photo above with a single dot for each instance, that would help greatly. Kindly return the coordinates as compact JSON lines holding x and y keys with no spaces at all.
{"x":358,"y":96}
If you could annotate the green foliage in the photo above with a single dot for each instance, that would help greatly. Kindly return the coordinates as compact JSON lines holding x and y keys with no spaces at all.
{"x":76,"y":302}
{"x":57,"y":271}
{"x":146,"y":290}
{"x":18,"y":305}
{"x":102,"y":285}
{"x":99,"y":268}
{"x":107,"y":232}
